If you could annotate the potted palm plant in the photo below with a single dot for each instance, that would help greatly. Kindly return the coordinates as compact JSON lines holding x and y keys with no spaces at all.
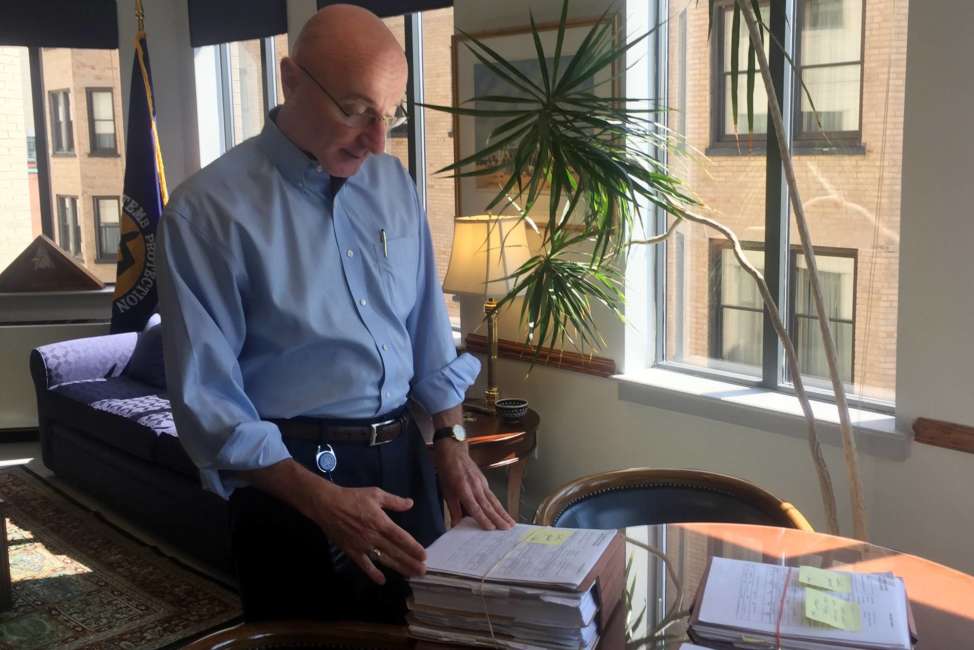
{"x":578,"y":165}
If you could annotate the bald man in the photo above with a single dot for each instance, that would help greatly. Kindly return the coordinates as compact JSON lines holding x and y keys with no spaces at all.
{"x":301,"y":309}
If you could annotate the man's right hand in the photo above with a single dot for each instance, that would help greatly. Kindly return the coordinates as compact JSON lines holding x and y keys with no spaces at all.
{"x":353,"y":519}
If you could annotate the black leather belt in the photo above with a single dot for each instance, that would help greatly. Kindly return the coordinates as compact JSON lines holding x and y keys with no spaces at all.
{"x":319,"y":430}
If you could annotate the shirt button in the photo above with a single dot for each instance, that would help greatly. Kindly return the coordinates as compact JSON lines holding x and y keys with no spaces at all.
{"x":350,"y":252}
{"x":388,"y":394}
{"x":385,"y":347}
{"x":319,"y":169}
{"x":362,"y":302}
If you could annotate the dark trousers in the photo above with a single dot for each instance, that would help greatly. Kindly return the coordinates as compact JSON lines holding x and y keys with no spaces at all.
{"x":286,"y":567}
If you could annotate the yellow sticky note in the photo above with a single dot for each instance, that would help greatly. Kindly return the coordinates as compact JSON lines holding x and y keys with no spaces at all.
{"x":823,"y":579}
{"x":549,"y":536}
{"x":834,"y":612}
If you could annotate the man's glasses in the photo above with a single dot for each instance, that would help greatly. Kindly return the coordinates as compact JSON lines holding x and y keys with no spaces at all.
{"x":367,"y":117}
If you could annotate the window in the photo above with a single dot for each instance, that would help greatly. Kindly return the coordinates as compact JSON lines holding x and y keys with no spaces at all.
{"x":237,"y":83}
{"x":724,"y":117}
{"x":738,"y":311}
{"x":837,"y":274}
{"x":829,"y":63}
{"x":44,"y":188}
{"x":101,"y":121}
{"x":68,"y":228}
{"x":709,"y":318}
{"x":62,"y":128}
{"x":106,"y":227}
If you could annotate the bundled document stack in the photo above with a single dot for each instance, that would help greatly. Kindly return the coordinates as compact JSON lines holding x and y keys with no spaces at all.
{"x":528,"y":587}
{"x":752,"y":605}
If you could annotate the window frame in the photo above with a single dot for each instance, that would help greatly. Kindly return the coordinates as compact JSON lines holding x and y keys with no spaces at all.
{"x":715,"y":310}
{"x":101,"y":256}
{"x":828,"y":139}
{"x":94,"y":150}
{"x":58,"y":135}
{"x":824,"y":251}
{"x":777,"y":222}
{"x":721,"y":143}
{"x":62,"y":222}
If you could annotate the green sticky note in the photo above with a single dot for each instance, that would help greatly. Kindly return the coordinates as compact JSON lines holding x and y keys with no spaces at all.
{"x":834,"y":612}
{"x":549,"y":536}
{"x":828,"y":580}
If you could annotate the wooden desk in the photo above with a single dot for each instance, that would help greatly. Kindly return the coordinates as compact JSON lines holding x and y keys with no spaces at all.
{"x":942,"y":599}
{"x":495,"y":442}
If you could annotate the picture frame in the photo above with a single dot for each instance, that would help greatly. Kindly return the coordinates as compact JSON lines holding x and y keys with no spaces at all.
{"x":472,"y":78}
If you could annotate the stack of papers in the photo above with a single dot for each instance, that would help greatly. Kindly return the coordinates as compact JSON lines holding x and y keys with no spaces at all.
{"x":746,"y":605}
{"x":528,"y":587}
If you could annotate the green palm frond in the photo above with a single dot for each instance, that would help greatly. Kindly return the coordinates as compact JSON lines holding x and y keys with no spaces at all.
{"x":567,"y":137}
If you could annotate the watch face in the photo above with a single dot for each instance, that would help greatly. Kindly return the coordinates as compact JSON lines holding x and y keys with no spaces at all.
{"x":459,"y":432}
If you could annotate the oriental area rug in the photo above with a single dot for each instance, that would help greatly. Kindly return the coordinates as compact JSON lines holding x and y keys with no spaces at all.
{"x":80,"y":582}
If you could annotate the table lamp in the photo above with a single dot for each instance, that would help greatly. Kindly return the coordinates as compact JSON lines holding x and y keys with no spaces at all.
{"x":487,"y":249}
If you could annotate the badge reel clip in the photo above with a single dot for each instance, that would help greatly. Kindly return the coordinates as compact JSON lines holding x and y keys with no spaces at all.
{"x":326,"y":460}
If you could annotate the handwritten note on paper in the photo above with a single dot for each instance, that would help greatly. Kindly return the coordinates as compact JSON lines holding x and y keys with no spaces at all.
{"x":828,"y":580}
{"x":834,"y":612}
{"x":549,"y":536}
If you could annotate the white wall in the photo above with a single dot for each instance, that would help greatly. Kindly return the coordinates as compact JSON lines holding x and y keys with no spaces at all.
{"x":918,"y":504}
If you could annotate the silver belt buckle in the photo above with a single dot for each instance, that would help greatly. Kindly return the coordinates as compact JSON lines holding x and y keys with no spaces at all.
{"x":375,"y":432}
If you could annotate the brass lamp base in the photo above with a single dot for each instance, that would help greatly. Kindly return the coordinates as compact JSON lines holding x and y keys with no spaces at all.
{"x":492,"y":393}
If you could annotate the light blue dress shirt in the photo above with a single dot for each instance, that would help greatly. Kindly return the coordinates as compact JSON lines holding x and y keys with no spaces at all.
{"x":280,"y":300}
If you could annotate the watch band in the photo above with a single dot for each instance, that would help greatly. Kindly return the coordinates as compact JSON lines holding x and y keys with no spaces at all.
{"x":443,"y":432}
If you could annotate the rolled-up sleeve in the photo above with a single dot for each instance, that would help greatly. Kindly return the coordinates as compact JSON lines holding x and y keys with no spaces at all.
{"x":204,"y":328}
{"x":440,"y":377}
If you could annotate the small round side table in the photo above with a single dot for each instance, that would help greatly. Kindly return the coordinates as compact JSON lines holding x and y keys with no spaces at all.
{"x":495,"y":442}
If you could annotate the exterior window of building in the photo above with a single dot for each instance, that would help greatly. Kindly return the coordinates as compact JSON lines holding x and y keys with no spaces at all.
{"x":44,"y":189}
{"x":101,"y":121}
{"x":62,"y":128}
{"x":106,"y":227}
{"x":830,"y":65}
{"x":837,"y":274}
{"x":68,"y":228}
{"x":726,"y":130}
{"x":709,"y":315}
{"x":738,"y":311}
{"x":230,"y":97}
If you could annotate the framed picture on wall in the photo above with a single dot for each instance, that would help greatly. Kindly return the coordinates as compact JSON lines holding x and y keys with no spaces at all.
{"x":472,"y":79}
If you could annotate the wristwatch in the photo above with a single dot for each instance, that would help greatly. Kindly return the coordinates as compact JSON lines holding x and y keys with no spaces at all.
{"x":457,"y":432}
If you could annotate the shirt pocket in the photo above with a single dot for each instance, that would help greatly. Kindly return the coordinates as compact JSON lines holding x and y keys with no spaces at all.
{"x":399,"y":261}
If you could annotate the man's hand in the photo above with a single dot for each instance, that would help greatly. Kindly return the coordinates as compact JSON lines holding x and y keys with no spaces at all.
{"x":354,"y":519}
{"x":465,"y":487}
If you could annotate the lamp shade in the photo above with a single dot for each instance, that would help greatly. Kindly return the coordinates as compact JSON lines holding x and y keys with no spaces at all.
{"x":486,"y":250}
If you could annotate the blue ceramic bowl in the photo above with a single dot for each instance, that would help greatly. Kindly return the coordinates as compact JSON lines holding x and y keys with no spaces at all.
{"x":512,"y":408}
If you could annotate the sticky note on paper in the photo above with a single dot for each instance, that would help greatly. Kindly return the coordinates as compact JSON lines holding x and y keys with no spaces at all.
{"x":832,"y":611}
{"x":823,"y":579}
{"x":549,"y":536}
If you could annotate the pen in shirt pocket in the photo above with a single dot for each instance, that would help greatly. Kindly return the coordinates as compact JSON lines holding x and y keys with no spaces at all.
{"x":385,"y":242}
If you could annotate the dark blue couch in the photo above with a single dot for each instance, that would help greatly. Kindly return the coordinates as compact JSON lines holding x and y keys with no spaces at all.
{"x":112,"y":435}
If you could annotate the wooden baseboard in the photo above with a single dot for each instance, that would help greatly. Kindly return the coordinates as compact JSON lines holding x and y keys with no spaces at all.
{"x":583,"y":363}
{"x":944,"y":434}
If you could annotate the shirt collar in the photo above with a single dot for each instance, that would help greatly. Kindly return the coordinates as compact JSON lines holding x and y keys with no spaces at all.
{"x":294,"y":164}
